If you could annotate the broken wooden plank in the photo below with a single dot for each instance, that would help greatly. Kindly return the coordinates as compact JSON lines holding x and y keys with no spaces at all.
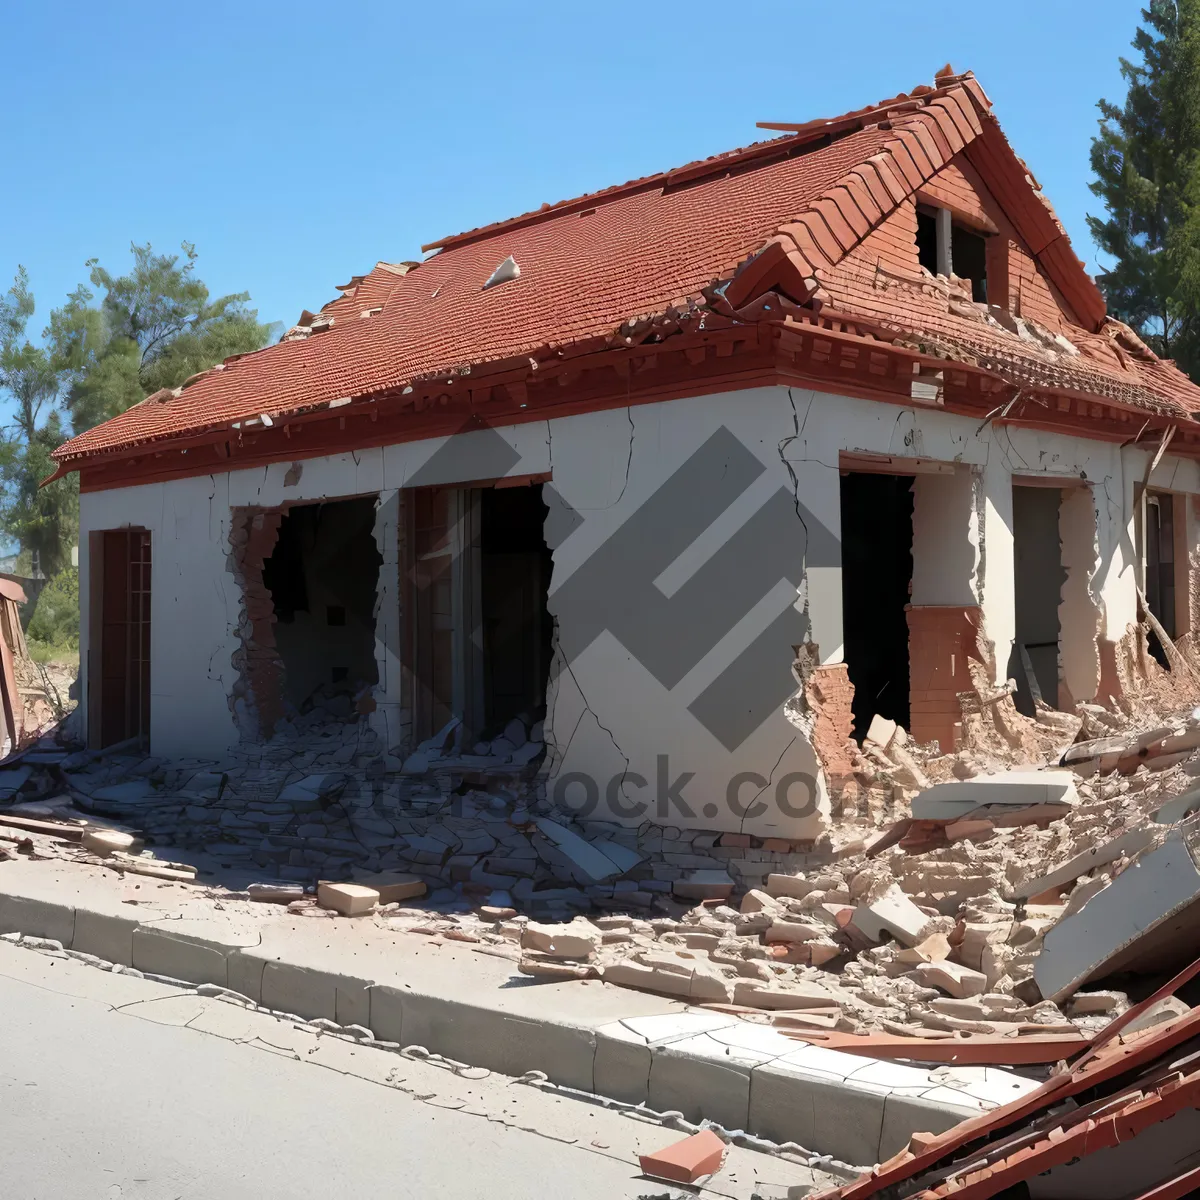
{"x":1031,"y":679}
{"x":176,"y":872}
{"x":1174,"y":656}
{"x":70,"y":833}
{"x":967,"y":1050}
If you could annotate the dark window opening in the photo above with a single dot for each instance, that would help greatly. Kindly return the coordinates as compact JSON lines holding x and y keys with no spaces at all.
{"x":322,"y":576}
{"x":1160,"y":568}
{"x":968,"y":253}
{"x":515,"y":566}
{"x":1038,"y":577}
{"x":877,"y":565}
{"x":927,"y":241}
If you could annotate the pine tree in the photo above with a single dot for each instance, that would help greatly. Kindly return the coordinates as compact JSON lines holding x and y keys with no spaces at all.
{"x":1146,"y":159}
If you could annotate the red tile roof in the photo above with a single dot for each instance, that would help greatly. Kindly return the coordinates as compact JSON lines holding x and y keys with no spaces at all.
{"x":591,"y":265}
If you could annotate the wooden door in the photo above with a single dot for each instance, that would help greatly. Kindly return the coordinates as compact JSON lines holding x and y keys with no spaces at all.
{"x":124,"y":629}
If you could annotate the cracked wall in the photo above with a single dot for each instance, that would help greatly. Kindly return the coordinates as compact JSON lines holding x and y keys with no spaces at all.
{"x":1079,"y":613}
{"x":256,"y":697}
{"x":676,"y":634}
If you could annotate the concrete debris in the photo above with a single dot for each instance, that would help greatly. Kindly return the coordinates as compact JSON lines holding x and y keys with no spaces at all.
{"x":892,"y":914}
{"x":952,"y":978}
{"x":578,"y":940}
{"x":280,"y":892}
{"x":107,"y":841}
{"x":1146,"y":919}
{"x":988,"y":796}
{"x":1166,"y":1009}
{"x":349,"y":899}
{"x":953,"y":923}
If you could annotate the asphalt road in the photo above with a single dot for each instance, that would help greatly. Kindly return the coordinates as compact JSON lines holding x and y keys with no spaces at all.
{"x":118,"y":1088}
{"x":96,"y":1103}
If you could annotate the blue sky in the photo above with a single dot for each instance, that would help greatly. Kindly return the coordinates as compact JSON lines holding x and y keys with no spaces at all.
{"x":296,"y":145}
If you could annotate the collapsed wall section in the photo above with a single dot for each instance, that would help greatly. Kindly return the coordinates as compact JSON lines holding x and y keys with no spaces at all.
{"x":256,"y":698}
{"x":308,"y":576}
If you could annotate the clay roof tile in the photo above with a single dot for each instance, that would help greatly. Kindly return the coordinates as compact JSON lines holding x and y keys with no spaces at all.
{"x":591,"y":265}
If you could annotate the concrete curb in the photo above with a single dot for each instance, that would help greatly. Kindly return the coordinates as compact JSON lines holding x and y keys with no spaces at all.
{"x":705,"y":1065}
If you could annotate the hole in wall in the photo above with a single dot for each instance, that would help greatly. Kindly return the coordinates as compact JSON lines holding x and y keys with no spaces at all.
{"x":322,"y":576}
{"x":515,"y":567}
{"x":877,"y":567}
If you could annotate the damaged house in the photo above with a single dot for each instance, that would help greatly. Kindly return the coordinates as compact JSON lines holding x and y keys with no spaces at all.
{"x":685,"y":482}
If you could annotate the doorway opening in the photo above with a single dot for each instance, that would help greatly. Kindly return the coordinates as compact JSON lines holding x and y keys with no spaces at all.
{"x":322,"y":576}
{"x":119,"y":687}
{"x":877,"y":569}
{"x":1161,"y":592}
{"x":1038,"y":578}
{"x":478,"y":628}
{"x":518,"y":631}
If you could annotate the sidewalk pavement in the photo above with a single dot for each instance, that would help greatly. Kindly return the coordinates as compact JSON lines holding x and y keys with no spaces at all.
{"x":474,"y":1007}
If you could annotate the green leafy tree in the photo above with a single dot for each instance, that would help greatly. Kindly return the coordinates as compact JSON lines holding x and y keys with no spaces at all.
{"x":1146,"y":159}
{"x":55,"y":620}
{"x":149,"y":329}
{"x":43,"y":521}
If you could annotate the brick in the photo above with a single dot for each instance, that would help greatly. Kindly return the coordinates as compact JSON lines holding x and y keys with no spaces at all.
{"x":579,"y":939}
{"x":349,"y":899}
{"x":686,"y":1161}
{"x":704,"y":885}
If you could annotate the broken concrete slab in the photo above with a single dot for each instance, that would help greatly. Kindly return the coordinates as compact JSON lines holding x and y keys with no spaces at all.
{"x":1134,"y":841}
{"x":623,"y":857}
{"x":1154,"y":748}
{"x":893,"y":913}
{"x":1166,"y":1009}
{"x":585,"y":862}
{"x":1147,"y":919}
{"x":981,"y":795}
{"x":1178,"y":807}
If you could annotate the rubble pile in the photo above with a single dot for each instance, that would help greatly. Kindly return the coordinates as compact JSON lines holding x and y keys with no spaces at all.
{"x":324,"y":800}
{"x":925,"y":919}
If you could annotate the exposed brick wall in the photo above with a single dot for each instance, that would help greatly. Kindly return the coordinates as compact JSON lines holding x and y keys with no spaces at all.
{"x":941,"y":639}
{"x":951,"y":188}
{"x":830,"y":694}
{"x":1015,"y":281}
{"x":257,"y":695}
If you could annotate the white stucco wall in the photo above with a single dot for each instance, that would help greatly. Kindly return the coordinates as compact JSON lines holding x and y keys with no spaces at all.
{"x":685,"y":619}
{"x":945,"y":539}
